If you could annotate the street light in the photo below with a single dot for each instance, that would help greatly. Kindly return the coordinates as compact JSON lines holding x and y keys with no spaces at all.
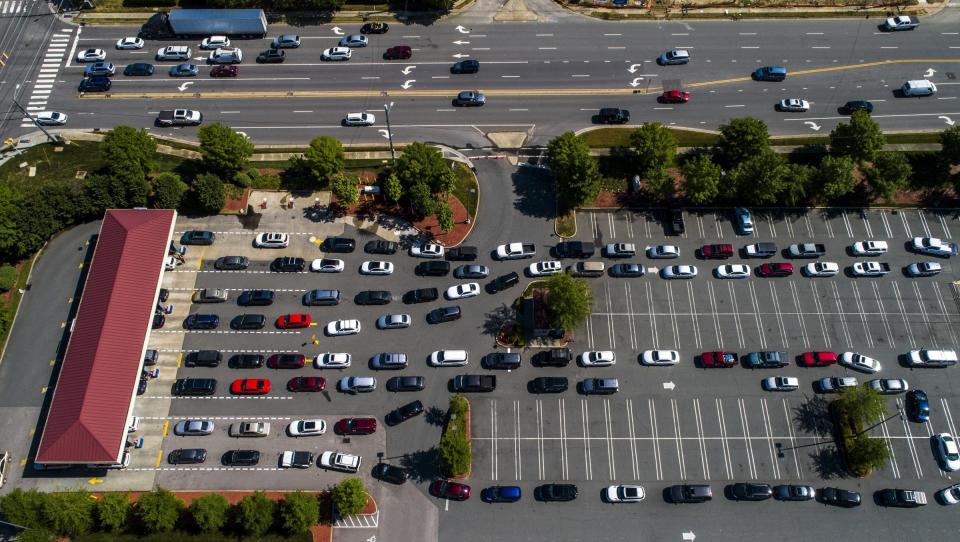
{"x":386,"y":110}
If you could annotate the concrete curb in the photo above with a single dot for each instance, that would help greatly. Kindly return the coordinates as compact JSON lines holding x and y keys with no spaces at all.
{"x":557,"y":232}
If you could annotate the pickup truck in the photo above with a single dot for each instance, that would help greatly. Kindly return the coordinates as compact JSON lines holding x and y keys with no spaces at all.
{"x":901,"y":22}
{"x":869,"y":269}
{"x":760,"y":250}
{"x":474,"y":383}
{"x":574,"y":249}
{"x":297,"y":460}
{"x":516,"y":251}
{"x":179,"y":117}
{"x":807,"y":250}
{"x":340,"y":461}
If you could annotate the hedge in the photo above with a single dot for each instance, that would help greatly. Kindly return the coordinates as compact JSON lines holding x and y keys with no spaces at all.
{"x":455,"y":449}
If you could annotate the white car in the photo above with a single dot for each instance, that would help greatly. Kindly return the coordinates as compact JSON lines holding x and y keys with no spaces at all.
{"x":934,"y":246}
{"x":340,"y":461}
{"x":130,"y":43}
{"x":91,"y":55}
{"x":336,"y":53}
{"x":924,"y":269}
{"x":794,"y":105}
{"x":542,"y":269}
{"x":732,"y":271}
{"x":359,"y":119}
{"x":660,"y":357}
{"x":780,"y":383}
{"x":679,"y":272}
{"x":598,"y":358}
{"x":215,"y":42}
{"x":225,"y":56}
{"x":888,"y":386}
{"x":426,"y":250}
{"x":947,"y":451}
{"x":307,"y":428}
{"x":326,"y":265}
{"x":659,"y":252}
{"x":869,"y":248}
{"x":271,"y":240}
{"x":376,"y":267}
{"x":624,"y":494}
{"x":833,"y":384}
{"x":821,"y":269}
{"x":949,"y":495}
{"x":333,"y":360}
{"x":51,"y":118}
{"x":859,"y":362}
{"x":449,"y":358}
{"x":393,"y":321}
{"x":463,"y":291}
{"x":343,"y":327}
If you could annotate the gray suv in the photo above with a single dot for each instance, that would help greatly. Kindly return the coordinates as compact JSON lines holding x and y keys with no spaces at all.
{"x":469,"y":98}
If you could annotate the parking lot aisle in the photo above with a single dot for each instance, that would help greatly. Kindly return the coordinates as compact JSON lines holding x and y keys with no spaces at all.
{"x":825,"y":218}
{"x":776,"y":307}
{"x":745,"y":437}
{"x":654,"y":334}
{"x":818,"y":298}
{"x":655,"y":438}
{"x":673,"y":319}
{"x":942,"y":307}
{"x":678,"y":439}
{"x":800,"y":316}
{"x":903,"y":313}
{"x":611,"y":326}
{"x":865,"y":221}
{"x":862,"y":312}
{"x":752,"y":291}
{"x":715,"y":318}
{"x":911,"y":445}
{"x":792,"y":435}
{"x":694,"y":318}
{"x":768,"y":431}
{"x":701,"y":439}
{"x":632,"y":440}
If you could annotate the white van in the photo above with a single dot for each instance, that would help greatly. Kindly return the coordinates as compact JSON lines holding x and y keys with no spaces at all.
{"x":920,"y":87}
{"x":226,"y":56}
{"x":449,"y":358}
{"x":174,"y":52}
{"x":932,"y":358}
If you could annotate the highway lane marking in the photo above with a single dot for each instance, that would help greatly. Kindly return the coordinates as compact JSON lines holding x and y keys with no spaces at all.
{"x":547,"y":48}
{"x":616,"y":47}
{"x":889,"y":47}
{"x":518,"y":110}
{"x":580,"y":75}
{"x":302,"y":111}
{"x":370,"y":77}
{"x":814,"y":33}
{"x":410,"y":37}
{"x":213,"y":80}
{"x":748,"y":33}
{"x":440,"y":77}
{"x":749,"y":47}
{"x":820,"y":47}
{"x":613,"y":34}
{"x":544,"y":35}
{"x":739,"y":105}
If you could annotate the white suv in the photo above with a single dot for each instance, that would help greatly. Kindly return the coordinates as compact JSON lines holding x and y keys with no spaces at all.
{"x":336,"y":53}
{"x":174,"y":52}
{"x":271,"y":240}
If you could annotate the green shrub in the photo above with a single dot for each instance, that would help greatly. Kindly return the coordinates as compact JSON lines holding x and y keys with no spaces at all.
{"x":113,"y":512}
{"x":24,"y":508}
{"x":159,"y":510}
{"x":210,"y":512}
{"x":256,"y":513}
{"x":455,"y":451}
{"x":349,"y":496}
{"x":8,"y":277}
{"x":299,"y":512}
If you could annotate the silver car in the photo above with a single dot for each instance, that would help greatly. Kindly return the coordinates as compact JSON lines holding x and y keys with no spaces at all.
{"x":679,"y":272}
{"x":193,"y":428}
{"x":353,"y":40}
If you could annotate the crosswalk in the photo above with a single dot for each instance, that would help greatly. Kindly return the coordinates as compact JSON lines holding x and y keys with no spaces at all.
{"x":53,"y":60}
{"x":12,"y":7}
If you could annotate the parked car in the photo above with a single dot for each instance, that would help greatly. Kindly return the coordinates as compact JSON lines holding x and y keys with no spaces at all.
{"x":446,"y":489}
{"x":404,"y":413}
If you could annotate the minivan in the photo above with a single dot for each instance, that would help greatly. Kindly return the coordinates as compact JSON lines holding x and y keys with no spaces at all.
{"x":932,"y":358}
{"x":321,"y":298}
{"x":204,"y":358}
{"x":674,"y":56}
{"x":202,"y":321}
{"x":174,"y":52}
{"x":920,"y":87}
{"x":195,"y":386}
{"x":587,"y":269}
{"x":503,"y":360}
{"x":248,"y":321}
{"x":770,"y":73}
{"x":226,"y":56}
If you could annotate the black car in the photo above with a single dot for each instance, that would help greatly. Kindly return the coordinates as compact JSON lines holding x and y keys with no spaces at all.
{"x":231,"y":263}
{"x":856,"y":105}
{"x":204,"y":358}
{"x":187,"y":456}
{"x":271,"y":56}
{"x":613,"y":115}
{"x":406,"y":383}
{"x":555,"y":357}
{"x":444,"y":314}
{"x":158,"y":320}
{"x":163,"y":295}
{"x":404,"y":413}
{"x":750,"y":491}
{"x":839,"y":497}
{"x":690,"y":493}
{"x":380,"y":246}
{"x":197,"y":237}
{"x":423,"y":295}
{"x":676,"y":221}
{"x":549,"y":384}
{"x":505,"y":281}
{"x":340,"y":244}
{"x":390,"y":473}
{"x":462,"y":253}
{"x":373,"y":297}
{"x":901,"y":498}
{"x":789,"y":492}
{"x":138,"y":69}
{"x":255,"y":298}
{"x":433,"y":268}
{"x":466,"y":66}
{"x":374,"y":28}
{"x":502,"y":360}
{"x":188,"y":387}
{"x":241,"y":458}
{"x":556,"y":492}
{"x":99,"y":83}
{"x":142,"y":386}
{"x":248,"y":321}
{"x":202,"y":321}
{"x":574,"y":249}
{"x":245,"y":361}
{"x":288,"y":264}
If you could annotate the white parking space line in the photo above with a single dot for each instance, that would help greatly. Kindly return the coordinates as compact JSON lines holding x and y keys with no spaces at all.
{"x":846,"y":222}
{"x":863,"y":318}
{"x":756,"y":315}
{"x":693,"y":318}
{"x":655,"y":438}
{"x":679,"y":439}
{"x":612,"y":224}
{"x":608,"y":426}
{"x":587,"y":459}
{"x":903,"y":312}
{"x":631,"y":318}
{"x":646,"y":225}
{"x":793,"y":439}
{"x":719,"y":226}
{"x":538,"y":412}
{"x":632,"y":433}
{"x":803,"y":321}
{"x":806,"y":219}
{"x":724,"y":440}
{"x":654,"y":334}
{"x":886,"y":223}
{"x":590,"y":345}
{"x":496,"y":440}
{"x":826,"y":220}
{"x":747,"y":440}
{"x":894,"y":468}
{"x":673,"y":316}
{"x":923,"y":221}
{"x":776,"y":306}
{"x":906,"y":225}
{"x":925,"y":317}
{"x":629,"y":221}
{"x":715,"y":317}
{"x":786,"y":220}
{"x":772,"y":225}
{"x":564,"y":453}
{"x":943,"y":224}
{"x":736,"y":313}
{"x":866,"y":223}
{"x":943,"y":310}
{"x":768,"y":429}
{"x":948,"y":416}
{"x":518,"y":463}
{"x":611,"y":339}
{"x":841,"y":314}
{"x":704,"y":462}
{"x":700,"y":225}
{"x":883,"y":316}
{"x":911,"y":446}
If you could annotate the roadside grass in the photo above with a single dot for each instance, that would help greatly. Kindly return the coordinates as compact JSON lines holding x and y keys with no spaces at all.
{"x":467,"y":189}
{"x":620,"y":137}
{"x":9,"y":306}
{"x":52,"y":166}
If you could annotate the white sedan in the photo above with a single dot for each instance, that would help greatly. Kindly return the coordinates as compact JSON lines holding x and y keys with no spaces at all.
{"x":426,"y":250}
{"x":793,"y":105}
{"x":624,"y":494}
{"x":343,"y":327}
{"x":91,"y":55}
{"x":376,"y":267}
{"x":859,"y":362}
{"x":333,"y":360}
{"x":947,"y":451}
{"x":821,"y":269}
{"x":326,"y":265}
{"x":934,"y":246}
{"x":130,"y":43}
{"x":271,"y":240}
{"x":463,"y":291}
{"x":307,"y":428}
{"x":732,"y":271}
{"x":359,"y":119}
{"x":869,"y":248}
{"x":215,"y":42}
{"x":598,"y":358}
{"x":660,"y":357}
{"x":662,"y":251}
{"x":781,"y":383}
{"x":393,"y":321}
{"x":679,"y":272}
{"x":542,"y":269}
{"x":51,"y":118}
{"x":949,"y":495}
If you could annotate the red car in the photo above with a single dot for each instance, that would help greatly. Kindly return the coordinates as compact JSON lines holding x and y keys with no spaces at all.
{"x":250,"y":386}
{"x":293,"y":321}
{"x":818,"y":359}
{"x":398,"y":52}
{"x":776,"y":269}
{"x":356,"y":426}
{"x":674,"y":97}
{"x":716,"y":252}
{"x":718,"y":359}
{"x":286,"y":361}
{"x":446,"y":489}
{"x":307,"y":383}
{"x":224,"y":70}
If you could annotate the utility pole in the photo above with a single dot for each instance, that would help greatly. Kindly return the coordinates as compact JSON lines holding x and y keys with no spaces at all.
{"x":393,"y":153}
{"x":37,"y":124}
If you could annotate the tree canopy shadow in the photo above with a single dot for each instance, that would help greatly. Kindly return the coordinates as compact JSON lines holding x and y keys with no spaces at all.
{"x":422,"y":465}
{"x":813,"y":416}
{"x":828,"y":462}
{"x":496,"y":318}
{"x":534,"y":188}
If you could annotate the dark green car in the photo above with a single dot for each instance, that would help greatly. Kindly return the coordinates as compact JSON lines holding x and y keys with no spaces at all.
{"x":139,"y":69}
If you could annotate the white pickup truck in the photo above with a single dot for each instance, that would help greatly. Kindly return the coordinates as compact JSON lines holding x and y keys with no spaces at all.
{"x":901,"y":22}
{"x":515,"y":251}
{"x":869,"y":269}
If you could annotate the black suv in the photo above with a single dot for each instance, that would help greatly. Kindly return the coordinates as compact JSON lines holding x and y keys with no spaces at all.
{"x":676,"y":221}
{"x":556,"y":492}
{"x":288,"y":264}
{"x":248,"y":321}
{"x":433,"y":268}
{"x":464,"y":254}
{"x":502,"y":360}
{"x":690,"y":493}
{"x":204,"y":358}
{"x":549,"y":384}
{"x":373,"y":297}
{"x":231,"y":263}
{"x":505,"y":281}
{"x":423,"y":295}
{"x":340,"y":244}
{"x":444,"y":314}
{"x":241,"y":458}
{"x":246,"y":361}
{"x":389,"y":473}
{"x":195,"y":386}
{"x":379,"y":246}
{"x":613,"y":115}
{"x":574,"y":249}
{"x":555,"y":357}
{"x":255,"y":298}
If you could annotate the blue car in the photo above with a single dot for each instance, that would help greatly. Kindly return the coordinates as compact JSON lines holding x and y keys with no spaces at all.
{"x":99,"y":68}
{"x":918,"y":406}
{"x":99,"y":83}
{"x":500,"y":494}
{"x":743,"y":221}
{"x":184,"y":70}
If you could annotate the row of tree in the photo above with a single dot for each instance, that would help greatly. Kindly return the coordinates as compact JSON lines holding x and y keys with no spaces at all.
{"x":322,"y":5}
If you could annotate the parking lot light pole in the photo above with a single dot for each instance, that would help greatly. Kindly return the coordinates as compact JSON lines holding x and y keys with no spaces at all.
{"x":386,"y":111}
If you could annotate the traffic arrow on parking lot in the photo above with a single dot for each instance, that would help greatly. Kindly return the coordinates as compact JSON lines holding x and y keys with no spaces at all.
{"x":461,"y":42}
{"x":670,"y":386}
{"x":633,"y":68}
{"x":463,"y":30}
{"x":460,"y":55}
{"x":406,"y":71}
{"x":337,"y":30}
{"x":408,"y":83}
{"x":184,"y":86}
{"x":689,"y":535}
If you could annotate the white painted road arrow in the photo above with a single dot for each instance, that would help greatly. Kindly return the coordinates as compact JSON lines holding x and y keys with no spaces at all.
{"x":461,"y":42}
{"x":670,"y":386}
{"x":633,"y":68}
{"x":460,"y":55}
{"x":636,"y":82}
{"x":337,"y":30}
{"x":930,"y":72}
{"x":814,"y":125}
{"x":408,"y":83}
{"x":384,"y":133}
{"x":689,"y":535}
{"x":183,"y":86}
{"x":463,"y":30}
{"x":948,"y":120}
{"x":406,"y":71}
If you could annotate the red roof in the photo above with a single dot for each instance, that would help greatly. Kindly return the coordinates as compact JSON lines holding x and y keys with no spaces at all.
{"x":87,"y":419}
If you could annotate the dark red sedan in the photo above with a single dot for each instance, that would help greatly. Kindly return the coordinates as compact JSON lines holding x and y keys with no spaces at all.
{"x":775,"y":269}
{"x":675,"y":97}
{"x":446,"y":489}
{"x":355,"y":426}
{"x":398,"y":52}
{"x":716,"y":252}
{"x":224,"y":70}
{"x":818,"y":359}
{"x":286,"y":361}
{"x":307,"y":383}
{"x":296,"y":320}
{"x":718,"y":359}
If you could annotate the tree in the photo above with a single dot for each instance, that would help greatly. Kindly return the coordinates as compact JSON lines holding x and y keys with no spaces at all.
{"x":660,"y":183}
{"x":701,"y":179}
{"x":742,"y":139}
{"x":455,"y":453}
{"x":346,"y":188}
{"x":444,"y":216}
{"x":325,"y":158}
{"x":576,"y":172}
{"x":421,"y":200}
{"x":655,"y":146}
{"x":392,"y":188}
{"x":866,"y":454}
{"x":862,"y":404}
{"x":760,"y":179}
{"x":890,"y":172}
{"x":256,"y":513}
{"x":113,"y":512}
{"x":125,"y":147}
{"x":158,"y":510}
{"x":8,"y":277}
{"x":299,"y":512}
{"x":796,"y":189}
{"x":209,"y":193}
{"x":432,"y":5}
{"x":834,"y":177}
{"x":860,"y":139}
{"x":69,"y":513}
{"x":224,"y":151}
{"x":349,"y":497}
{"x":168,"y":191}
{"x":950,"y":145}
{"x":421,"y":163}
{"x":24,"y":508}
{"x":568,"y":301}
{"x":323,"y":6}
{"x":210,"y":512}
{"x":11,"y":201}
{"x":36,"y":535}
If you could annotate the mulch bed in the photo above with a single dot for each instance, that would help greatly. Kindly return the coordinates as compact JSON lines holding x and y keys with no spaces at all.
{"x":429,"y":225}
{"x":238,"y":204}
